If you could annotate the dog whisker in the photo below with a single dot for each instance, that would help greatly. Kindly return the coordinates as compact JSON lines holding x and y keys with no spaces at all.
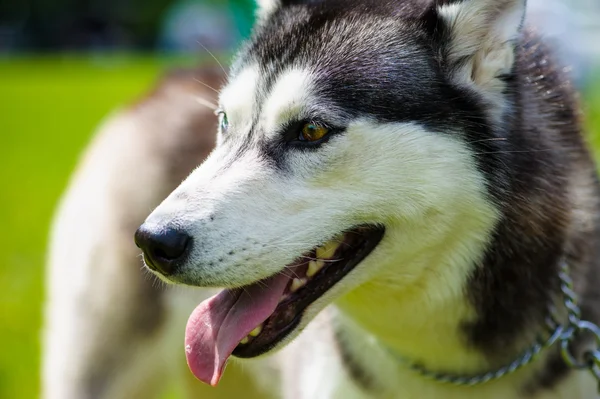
{"x":484,"y":140}
{"x":206,"y":103}
{"x":214,"y":58}
{"x":309,"y":258}
{"x":291,"y":274}
{"x":206,"y":85}
{"x":523,"y":151}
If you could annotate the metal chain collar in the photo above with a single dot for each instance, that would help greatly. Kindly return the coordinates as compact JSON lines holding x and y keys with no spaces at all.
{"x":564,"y":334}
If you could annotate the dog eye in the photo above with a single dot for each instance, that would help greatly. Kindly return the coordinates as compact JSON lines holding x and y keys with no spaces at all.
{"x":223,"y":121}
{"x":313,"y":132}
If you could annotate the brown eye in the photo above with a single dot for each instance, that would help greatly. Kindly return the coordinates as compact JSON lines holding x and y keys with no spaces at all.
{"x":312,"y":132}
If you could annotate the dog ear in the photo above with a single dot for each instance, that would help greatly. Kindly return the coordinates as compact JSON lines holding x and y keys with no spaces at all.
{"x":266,"y":7}
{"x":477,"y":39}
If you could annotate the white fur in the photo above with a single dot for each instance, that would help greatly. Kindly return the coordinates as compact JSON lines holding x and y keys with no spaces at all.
{"x":266,"y":7}
{"x":238,"y":98}
{"x":287,"y":100}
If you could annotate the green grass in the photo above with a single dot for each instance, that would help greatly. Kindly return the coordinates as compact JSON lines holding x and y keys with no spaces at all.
{"x":48,"y":109}
{"x":592,"y":110}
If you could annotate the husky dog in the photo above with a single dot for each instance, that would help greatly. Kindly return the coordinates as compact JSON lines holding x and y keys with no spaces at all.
{"x":451,"y":146}
{"x":395,"y":183}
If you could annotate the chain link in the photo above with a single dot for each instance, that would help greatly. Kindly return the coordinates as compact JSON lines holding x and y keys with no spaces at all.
{"x":564,"y":334}
{"x":591,"y":358}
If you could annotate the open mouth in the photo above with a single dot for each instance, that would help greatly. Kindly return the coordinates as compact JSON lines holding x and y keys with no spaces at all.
{"x":252,"y":320}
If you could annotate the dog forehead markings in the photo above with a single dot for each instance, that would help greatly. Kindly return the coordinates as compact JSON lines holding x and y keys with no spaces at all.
{"x":239,"y":96}
{"x":288,"y":98}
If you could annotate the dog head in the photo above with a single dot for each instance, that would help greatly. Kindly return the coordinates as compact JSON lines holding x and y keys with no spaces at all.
{"x":348,"y":149}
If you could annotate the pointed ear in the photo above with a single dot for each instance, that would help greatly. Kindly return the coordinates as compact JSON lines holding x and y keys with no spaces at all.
{"x":266,"y":7}
{"x":479,"y":38}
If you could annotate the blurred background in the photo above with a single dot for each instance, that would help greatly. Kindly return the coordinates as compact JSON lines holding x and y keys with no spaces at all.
{"x":65,"y":64}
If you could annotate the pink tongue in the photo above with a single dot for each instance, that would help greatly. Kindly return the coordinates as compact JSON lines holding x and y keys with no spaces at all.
{"x":218,"y":324}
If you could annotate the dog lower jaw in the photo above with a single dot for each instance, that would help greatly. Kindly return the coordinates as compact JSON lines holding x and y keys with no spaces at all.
{"x":254,"y":319}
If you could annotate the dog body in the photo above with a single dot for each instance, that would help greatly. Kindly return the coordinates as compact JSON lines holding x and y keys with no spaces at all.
{"x":394,"y":183}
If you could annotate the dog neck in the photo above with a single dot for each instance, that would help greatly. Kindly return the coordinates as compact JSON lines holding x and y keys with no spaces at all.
{"x":425,"y":307}
{"x":421,"y":318}
{"x":474,"y":301}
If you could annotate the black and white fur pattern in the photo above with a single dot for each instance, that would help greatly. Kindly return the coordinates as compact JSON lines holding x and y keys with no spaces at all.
{"x":456,"y":130}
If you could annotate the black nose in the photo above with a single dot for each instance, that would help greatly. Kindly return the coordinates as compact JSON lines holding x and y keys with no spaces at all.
{"x":162,"y":247}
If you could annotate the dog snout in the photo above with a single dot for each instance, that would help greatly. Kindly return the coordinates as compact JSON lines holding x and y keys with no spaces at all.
{"x":164,"y":247}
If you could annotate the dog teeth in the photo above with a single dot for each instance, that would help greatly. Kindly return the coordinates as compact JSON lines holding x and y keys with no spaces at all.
{"x":297,"y":283}
{"x":256,"y":331}
{"x":328,"y":250}
{"x":253,"y":334}
{"x":313,"y":267}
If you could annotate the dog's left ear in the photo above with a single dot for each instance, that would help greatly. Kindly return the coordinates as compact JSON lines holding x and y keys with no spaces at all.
{"x":266,"y":7}
{"x":477,"y":39}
